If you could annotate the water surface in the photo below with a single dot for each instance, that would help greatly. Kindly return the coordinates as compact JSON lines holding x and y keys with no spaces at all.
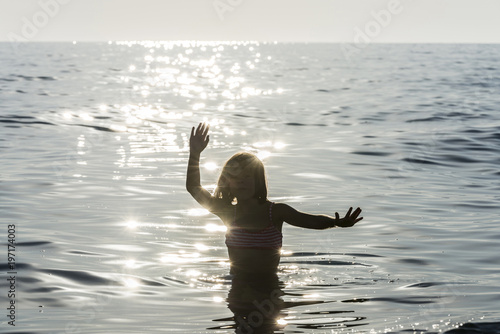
{"x":94,"y":147}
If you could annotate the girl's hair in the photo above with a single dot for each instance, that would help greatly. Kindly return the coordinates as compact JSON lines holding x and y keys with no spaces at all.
{"x":240,"y":161}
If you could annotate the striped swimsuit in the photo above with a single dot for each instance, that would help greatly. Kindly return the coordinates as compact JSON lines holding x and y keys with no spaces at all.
{"x":267,"y":238}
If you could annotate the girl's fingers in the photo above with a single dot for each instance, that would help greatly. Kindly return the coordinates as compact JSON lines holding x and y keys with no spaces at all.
{"x":349,"y":212}
{"x":199,"y":129}
{"x":355,"y":213}
{"x":202,"y":129}
{"x":358,"y":211}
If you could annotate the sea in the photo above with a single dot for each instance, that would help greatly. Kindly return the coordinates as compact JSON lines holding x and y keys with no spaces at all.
{"x":99,"y":234}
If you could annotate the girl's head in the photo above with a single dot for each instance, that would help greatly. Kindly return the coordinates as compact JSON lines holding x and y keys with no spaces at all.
{"x":242,"y":177}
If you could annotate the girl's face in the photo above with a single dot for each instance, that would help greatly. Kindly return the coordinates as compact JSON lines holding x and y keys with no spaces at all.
{"x":241,"y":183}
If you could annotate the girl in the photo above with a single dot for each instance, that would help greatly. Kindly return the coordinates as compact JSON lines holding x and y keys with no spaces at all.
{"x":254,"y":224}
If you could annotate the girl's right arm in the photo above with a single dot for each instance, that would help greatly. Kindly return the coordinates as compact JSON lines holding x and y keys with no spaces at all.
{"x":197,"y":143}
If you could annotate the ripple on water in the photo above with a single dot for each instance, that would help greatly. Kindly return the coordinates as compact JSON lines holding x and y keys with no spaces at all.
{"x":373,"y":153}
{"x":420,"y":262}
{"x":17,"y":120}
{"x":86,"y":253}
{"x":177,"y":279}
{"x":476,"y":327}
{"x":78,"y":276}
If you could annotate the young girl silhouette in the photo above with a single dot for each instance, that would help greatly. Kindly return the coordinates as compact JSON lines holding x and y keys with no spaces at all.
{"x":254,"y":224}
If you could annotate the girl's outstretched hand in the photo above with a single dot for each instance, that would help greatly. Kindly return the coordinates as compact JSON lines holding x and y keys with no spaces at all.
{"x":350,"y":218}
{"x":199,"y":138}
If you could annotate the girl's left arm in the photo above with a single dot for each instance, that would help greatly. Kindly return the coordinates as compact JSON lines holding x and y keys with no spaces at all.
{"x":319,"y":222}
{"x":197,"y":143}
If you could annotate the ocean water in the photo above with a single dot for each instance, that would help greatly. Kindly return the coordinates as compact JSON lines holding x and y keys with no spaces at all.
{"x":93,"y":153}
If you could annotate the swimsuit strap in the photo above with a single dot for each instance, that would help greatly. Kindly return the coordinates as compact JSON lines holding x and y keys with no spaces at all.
{"x":271,"y":212}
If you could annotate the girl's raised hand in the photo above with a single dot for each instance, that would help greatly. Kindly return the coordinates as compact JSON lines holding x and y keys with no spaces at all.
{"x":349,"y":219}
{"x":199,"y":138}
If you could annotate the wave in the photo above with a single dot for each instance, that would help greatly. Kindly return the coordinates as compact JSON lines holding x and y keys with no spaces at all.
{"x":14,"y":119}
{"x":18,"y":77}
{"x":373,"y":153}
{"x":95,"y":127}
{"x":476,"y":328}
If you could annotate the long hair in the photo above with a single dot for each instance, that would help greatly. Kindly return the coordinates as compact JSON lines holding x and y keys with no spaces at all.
{"x":242,"y":160}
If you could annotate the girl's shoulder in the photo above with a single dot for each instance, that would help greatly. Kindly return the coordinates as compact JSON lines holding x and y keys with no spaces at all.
{"x":221,"y":208}
{"x":280,"y":210}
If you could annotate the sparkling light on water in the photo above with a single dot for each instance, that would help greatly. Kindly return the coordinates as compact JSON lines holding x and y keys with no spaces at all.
{"x":96,"y":159}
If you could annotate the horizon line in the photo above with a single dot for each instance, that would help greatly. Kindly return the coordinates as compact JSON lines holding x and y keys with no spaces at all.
{"x":242,"y":41}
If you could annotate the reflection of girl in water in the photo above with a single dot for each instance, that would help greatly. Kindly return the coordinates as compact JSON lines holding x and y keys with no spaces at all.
{"x":257,"y":304}
{"x":254,"y":224}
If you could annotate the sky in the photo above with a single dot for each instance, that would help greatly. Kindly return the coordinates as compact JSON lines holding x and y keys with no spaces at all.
{"x":346,"y":21}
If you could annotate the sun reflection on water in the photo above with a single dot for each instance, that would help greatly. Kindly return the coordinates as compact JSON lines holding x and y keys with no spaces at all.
{"x":130,"y":263}
{"x":131,"y":282}
{"x":132,"y":224}
{"x":195,"y":71}
{"x":174,"y":85}
{"x":210,"y":165}
{"x":218,"y":299}
{"x":196,"y":212}
{"x":182,"y":257}
{"x":201,"y":247}
{"x":211,"y":227}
